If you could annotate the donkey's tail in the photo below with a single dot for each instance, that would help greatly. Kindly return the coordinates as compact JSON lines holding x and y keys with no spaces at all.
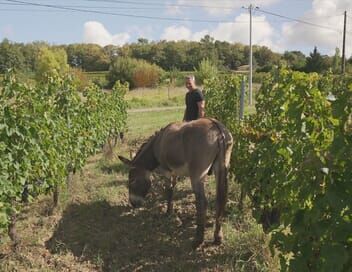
{"x":221,"y":166}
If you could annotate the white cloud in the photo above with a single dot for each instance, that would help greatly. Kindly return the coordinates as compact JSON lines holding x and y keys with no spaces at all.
{"x":199,"y":35}
{"x":176,"y":33}
{"x":237,"y":31}
{"x":145,"y":31}
{"x":327,"y":13}
{"x":95,"y":32}
{"x":224,"y":7}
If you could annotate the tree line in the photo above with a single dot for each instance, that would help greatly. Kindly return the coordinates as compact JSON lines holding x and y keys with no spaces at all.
{"x":168,"y":55}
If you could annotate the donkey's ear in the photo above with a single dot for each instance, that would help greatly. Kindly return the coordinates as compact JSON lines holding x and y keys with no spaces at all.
{"x":125,"y":161}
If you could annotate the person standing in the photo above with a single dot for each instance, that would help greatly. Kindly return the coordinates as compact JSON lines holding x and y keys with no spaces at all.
{"x":195,"y":103}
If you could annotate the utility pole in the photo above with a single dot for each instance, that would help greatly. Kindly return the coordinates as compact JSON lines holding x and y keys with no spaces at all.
{"x":250,"y":55}
{"x":250,"y":9}
{"x":343,"y":61}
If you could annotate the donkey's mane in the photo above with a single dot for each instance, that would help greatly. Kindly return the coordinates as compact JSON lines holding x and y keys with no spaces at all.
{"x":146,"y":142}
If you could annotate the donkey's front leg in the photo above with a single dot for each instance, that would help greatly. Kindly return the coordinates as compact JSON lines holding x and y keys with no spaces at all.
{"x":201,"y":206}
{"x":170,"y":193}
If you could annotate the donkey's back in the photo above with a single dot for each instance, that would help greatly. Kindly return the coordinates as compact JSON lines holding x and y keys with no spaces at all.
{"x":190,"y":149}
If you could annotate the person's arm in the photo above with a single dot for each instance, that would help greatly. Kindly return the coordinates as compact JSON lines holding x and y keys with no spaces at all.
{"x":201,"y":108}
{"x":200,"y":103}
{"x":184,"y":114}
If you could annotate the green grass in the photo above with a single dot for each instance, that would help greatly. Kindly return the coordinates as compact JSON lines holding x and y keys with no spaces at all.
{"x":145,"y":123}
{"x":156,"y":97}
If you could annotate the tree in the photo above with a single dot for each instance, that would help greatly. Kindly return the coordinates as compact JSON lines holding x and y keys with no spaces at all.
{"x":138,"y":73}
{"x":10,"y":56}
{"x":208,"y":49}
{"x":265,"y":58}
{"x":51,"y":62}
{"x":206,"y":70}
{"x":111,"y":51}
{"x":89,"y":57}
{"x":295,"y":60}
{"x":30,"y":53}
{"x":231,"y":56}
{"x":316,"y":62}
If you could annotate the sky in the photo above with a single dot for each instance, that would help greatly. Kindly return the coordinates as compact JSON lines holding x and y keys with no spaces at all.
{"x":280,"y":25}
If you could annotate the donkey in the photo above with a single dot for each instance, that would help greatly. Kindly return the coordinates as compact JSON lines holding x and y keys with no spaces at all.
{"x":190,"y":149}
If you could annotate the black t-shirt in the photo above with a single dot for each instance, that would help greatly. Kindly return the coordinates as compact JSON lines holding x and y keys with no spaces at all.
{"x":192,"y":97}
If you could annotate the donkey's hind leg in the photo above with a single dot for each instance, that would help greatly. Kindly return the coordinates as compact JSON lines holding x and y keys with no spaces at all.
{"x":201,"y":206}
{"x":221,"y":199}
{"x":170,"y":193}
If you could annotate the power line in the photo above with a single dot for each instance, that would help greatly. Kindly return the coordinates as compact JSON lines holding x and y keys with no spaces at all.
{"x":67,"y":8}
{"x":324,"y":17}
{"x":158,"y":4}
{"x":298,"y":20}
{"x":79,"y":6}
{"x":34,"y":10}
{"x":79,"y":9}
{"x":143,"y":4}
{"x":124,"y":14}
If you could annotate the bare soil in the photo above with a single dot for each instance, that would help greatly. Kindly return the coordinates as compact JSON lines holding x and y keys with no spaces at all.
{"x":95,"y":229}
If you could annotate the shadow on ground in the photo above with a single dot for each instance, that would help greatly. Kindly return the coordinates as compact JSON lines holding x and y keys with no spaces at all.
{"x":117,"y":238}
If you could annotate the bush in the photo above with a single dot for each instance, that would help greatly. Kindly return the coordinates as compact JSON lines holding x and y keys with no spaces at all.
{"x":79,"y":79}
{"x":206,"y":70}
{"x":146,"y":75}
{"x":259,"y":77}
{"x":122,"y":69}
{"x":51,"y":62}
{"x":138,"y":73}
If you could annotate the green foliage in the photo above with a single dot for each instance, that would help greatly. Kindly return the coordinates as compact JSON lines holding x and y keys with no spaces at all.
{"x":206,"y":69}
{"x":182,"y":55}
{"x":295,"y":60}
{"x":336,"y":61}
{"x":317,"y":63}
{"x":47,"y":131}
{"x":222,"y":99}
{"x":10,"y":56}
{"x":138,"y":73}
{"x":98,"y":78}
{"x":289,"y":164}
{"x":79,"y":79}
{"x":186,"y":55}
{"x":88,"y":57}
{"x":265,"y":58}
{"x":122,"y":69}
{"x":293,"y":159}
{"x":259,"y":77}
{"x":146,"y":75}
{"x":51,"y":62}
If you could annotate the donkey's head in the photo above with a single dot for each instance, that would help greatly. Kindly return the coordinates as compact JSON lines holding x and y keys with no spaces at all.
{"x":139,"y":183}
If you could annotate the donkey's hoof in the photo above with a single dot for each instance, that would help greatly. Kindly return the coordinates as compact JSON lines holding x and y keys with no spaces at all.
{"x":218,"y":237}
{"x":217,"y":241}
{"x":196,"y":243}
